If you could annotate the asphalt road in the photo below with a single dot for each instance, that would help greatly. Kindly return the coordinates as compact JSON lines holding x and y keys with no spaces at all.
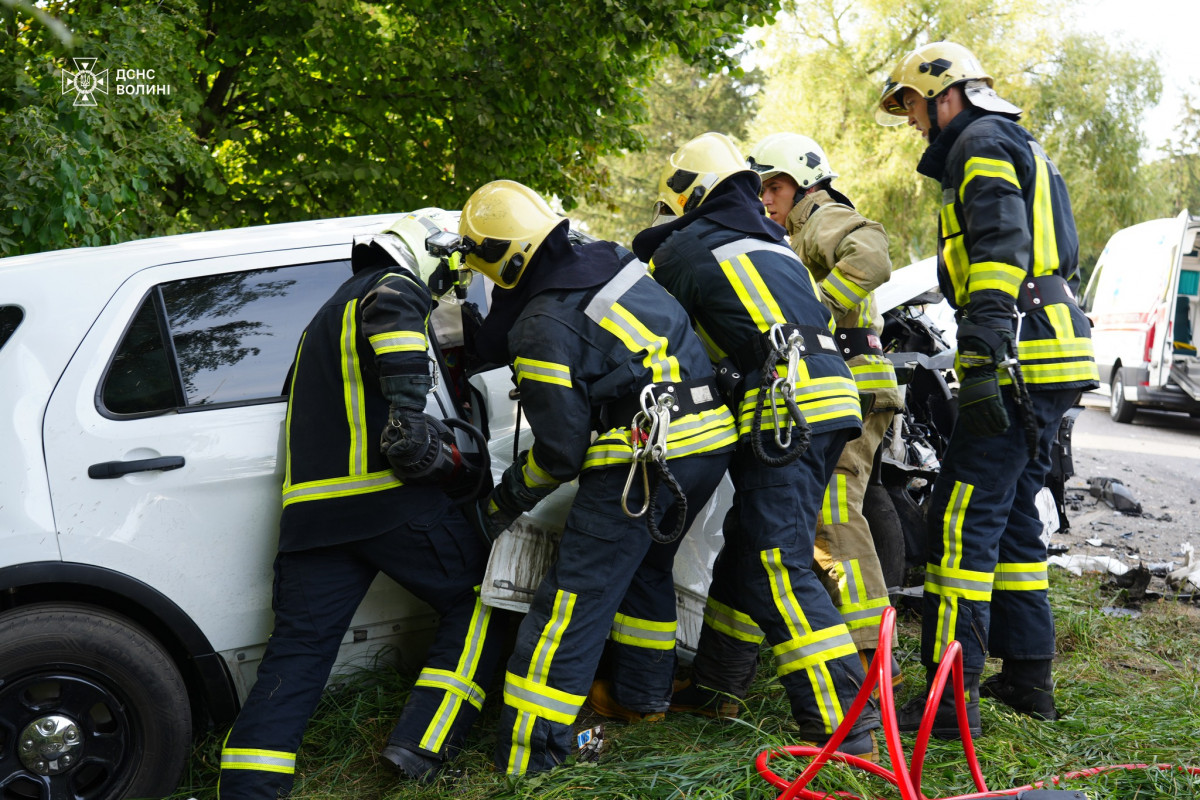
{"x":1157,"y":458}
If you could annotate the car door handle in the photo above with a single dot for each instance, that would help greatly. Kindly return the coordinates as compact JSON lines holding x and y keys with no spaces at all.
{"x":115,"y":469}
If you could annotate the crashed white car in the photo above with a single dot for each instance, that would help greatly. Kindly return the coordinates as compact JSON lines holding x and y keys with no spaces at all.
{"x":140,"y":495}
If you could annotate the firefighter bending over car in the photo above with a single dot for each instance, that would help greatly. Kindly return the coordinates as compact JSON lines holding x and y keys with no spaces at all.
{"x":1008,"y":263}
{"x":595,"y":346}
{"x":760,"y":315}
{"x":363,"y":493}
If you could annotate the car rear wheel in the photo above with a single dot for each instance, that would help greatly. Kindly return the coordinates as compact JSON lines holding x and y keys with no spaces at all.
{"x":1118,"y":408}
{"x":91,"y":707}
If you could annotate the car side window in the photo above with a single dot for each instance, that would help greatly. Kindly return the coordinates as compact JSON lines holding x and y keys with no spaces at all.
{"x":10,"y":318}
{"x":216,"y":340}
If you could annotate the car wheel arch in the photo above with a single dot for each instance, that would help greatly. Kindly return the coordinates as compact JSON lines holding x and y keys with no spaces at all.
{"x":211,"y":689}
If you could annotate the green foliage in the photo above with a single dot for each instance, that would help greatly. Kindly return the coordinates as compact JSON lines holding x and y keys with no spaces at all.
{"x":683,"y":101}
{"x":1128,"y":689}
{"x":281,"y":111}
{"x":1176,"y":177}
{"x":1083,"y":99}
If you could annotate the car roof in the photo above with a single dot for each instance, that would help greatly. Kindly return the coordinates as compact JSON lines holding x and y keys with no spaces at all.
{"x":129,"y":257}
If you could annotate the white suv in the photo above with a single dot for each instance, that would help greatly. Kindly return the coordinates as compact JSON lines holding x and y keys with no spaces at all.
{"x":141,"y":427}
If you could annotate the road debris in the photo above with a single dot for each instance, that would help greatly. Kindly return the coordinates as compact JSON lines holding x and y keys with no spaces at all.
{"x":1115,"y":494}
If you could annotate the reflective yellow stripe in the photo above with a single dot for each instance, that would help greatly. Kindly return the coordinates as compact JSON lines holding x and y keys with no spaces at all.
{"x":731,"y":622}
{"x":258,"y":760}
{"x":1022,"y":577}
{"x":952,"y":525}
{"x":352,"y":391}
{"x":964,"y":583}
{"x":997,"y":276}
{"x":1045,"y":238}
{"x":846,"y":292}
{"x":714,"y":351}
{"x":639,"y":339}
{"x":707,"y":431}
{"x":781,"y":593}
{"x":535,"y":476}
{"x":979,"y":167}
{"x":544,"y":371}
{"x":522,"y":743}
{"x":873,"y":375}
{"x":460,"y":684}
{"x":541,"y":700}
{"x":551,"y":637}
{"x":805,"y":652}
{"x":752,"y":291}
{"x":819,"y":399}
{"x":1061,"y":372}
{"x":645,"y":633}
{"x":867,"y":614}
{"x":834,"y":508}
{"x":399,"y":342}
{"x":1041,"y":349}
{"x":340,"y":487}
{"x":287,"y":423}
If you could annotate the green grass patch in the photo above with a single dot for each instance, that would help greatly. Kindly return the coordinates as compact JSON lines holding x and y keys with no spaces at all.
{"x":1128,"y":689}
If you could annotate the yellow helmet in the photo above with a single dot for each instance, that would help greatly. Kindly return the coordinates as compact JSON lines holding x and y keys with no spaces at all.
{"x":929,"y":70}
{"x":505,"y":222}
{"x":695,"y":169}
{"x":791,"y":154}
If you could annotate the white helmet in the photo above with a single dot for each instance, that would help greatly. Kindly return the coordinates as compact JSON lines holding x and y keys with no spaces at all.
{"x":412,"y":230}
{"x":791,"y":154}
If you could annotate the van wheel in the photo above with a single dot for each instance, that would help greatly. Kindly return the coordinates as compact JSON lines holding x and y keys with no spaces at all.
{"x":91,"y":707}
{"x":1118,"y":408}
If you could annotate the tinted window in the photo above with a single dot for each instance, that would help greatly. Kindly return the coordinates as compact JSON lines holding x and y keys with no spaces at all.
{"x":10,"y":318}
{"x":233,"y":336}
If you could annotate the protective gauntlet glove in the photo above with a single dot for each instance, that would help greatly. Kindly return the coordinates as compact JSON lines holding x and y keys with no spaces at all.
{"x":408,"y":442}
{"x":981,"y":409}
{"x":510,"y":499}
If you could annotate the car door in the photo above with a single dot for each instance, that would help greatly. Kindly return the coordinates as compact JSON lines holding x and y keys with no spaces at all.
{"x":164,"y":440}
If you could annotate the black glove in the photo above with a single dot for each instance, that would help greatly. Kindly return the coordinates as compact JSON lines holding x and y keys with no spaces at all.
{"x":496,"y":520}
{"x":408,"y":442}
{"x":981,"y":349}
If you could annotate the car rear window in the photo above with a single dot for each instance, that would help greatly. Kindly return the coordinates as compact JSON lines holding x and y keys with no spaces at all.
{"x":216,"y":340}
{"x":10,"y":318}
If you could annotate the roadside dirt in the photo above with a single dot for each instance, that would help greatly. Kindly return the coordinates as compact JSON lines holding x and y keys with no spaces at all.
{"x":1157,"y":458}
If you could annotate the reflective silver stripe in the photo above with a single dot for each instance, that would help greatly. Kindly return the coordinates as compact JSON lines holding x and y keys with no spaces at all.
{"x":744,"y":246}
{"x":620,"y":283}
{"x":245,"y":758}
{"x":958,"y":586}
{"x":405,"y":341}
{"x":859,"y":615}
{"x":441,"y":679}
{"x":337,"y":487}
{"x":742,"y":629}
{"x":630,"y":628}
{"x":812,"y":650}
{"x":853,"y":588}
{"x":552,"y":635}
{"x":531,"y":697}
{"x":848,"y":290}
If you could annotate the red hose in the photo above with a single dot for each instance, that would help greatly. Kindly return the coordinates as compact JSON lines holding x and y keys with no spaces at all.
{"x":904,"y":778}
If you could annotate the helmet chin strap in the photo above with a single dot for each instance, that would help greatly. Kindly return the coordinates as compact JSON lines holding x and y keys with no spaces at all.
{"x":931,"y":109}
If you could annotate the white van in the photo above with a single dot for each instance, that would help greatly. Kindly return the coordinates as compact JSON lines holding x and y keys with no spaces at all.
{"x":1144,"y":302}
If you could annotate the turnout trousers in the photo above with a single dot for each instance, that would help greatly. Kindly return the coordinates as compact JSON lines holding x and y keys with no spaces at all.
{"x":848,"y":565}
{"x":437,"y":557}
{"x":764,"y":586}
{"x":610,"y":578}
{"x":985,"y":581}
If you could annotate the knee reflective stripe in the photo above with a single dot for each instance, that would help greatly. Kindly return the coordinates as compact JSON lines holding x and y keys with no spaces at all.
{"x":731,"y":622}
{"x":834,"y":508}
{"x":645,"y":633}
{"x":965,"y":583}
{"x":812,"y":653}
{"x":532,"y":696}
{"x":541,"y":700}
{"x":458,"y":685}
{"x":258,"y":760}
{"x":1028,"y":577}
{"x":447,"y":681}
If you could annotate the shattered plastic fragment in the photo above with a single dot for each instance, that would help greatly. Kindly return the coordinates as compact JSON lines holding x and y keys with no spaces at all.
{"x":1115,"y":494}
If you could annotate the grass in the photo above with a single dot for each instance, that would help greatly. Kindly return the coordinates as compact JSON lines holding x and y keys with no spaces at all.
{"x":1128,"y":688}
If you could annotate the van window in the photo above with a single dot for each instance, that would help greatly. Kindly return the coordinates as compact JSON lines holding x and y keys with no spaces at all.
{"x":10,"y":318}
{"x":217,"y":339}
{"x":1130,"y":279}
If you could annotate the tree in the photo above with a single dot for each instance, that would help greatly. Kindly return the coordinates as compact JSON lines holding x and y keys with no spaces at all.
{"x":1176,"y":178}
{"x":1082,"y":98}
{"x":684,"y":101}
{"x":281,"y":111}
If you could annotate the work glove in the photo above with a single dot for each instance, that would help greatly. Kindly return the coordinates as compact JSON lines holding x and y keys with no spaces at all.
{"x":981,"y":349}
{"x":408,"y":442}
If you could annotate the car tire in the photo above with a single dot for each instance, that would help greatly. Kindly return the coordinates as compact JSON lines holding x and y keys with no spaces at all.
{"x":91,"y":707}
{"x":886,"y":532}
{"x":1118,"y":407}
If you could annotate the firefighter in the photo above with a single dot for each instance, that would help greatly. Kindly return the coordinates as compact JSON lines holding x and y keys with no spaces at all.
{"x":760,"y":315}
{"x":1008,"y":263}
{"x":847,"y":254}
{"x":595,"y":346}
{"x":356,"y":502}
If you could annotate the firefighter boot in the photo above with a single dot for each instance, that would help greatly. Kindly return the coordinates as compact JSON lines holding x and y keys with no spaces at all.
{"x":691,"y":698}
{"x":945,"y":723}
{"x":411,"y":764}
{"x":1024,"y":686}
{"x":602,"y":700}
